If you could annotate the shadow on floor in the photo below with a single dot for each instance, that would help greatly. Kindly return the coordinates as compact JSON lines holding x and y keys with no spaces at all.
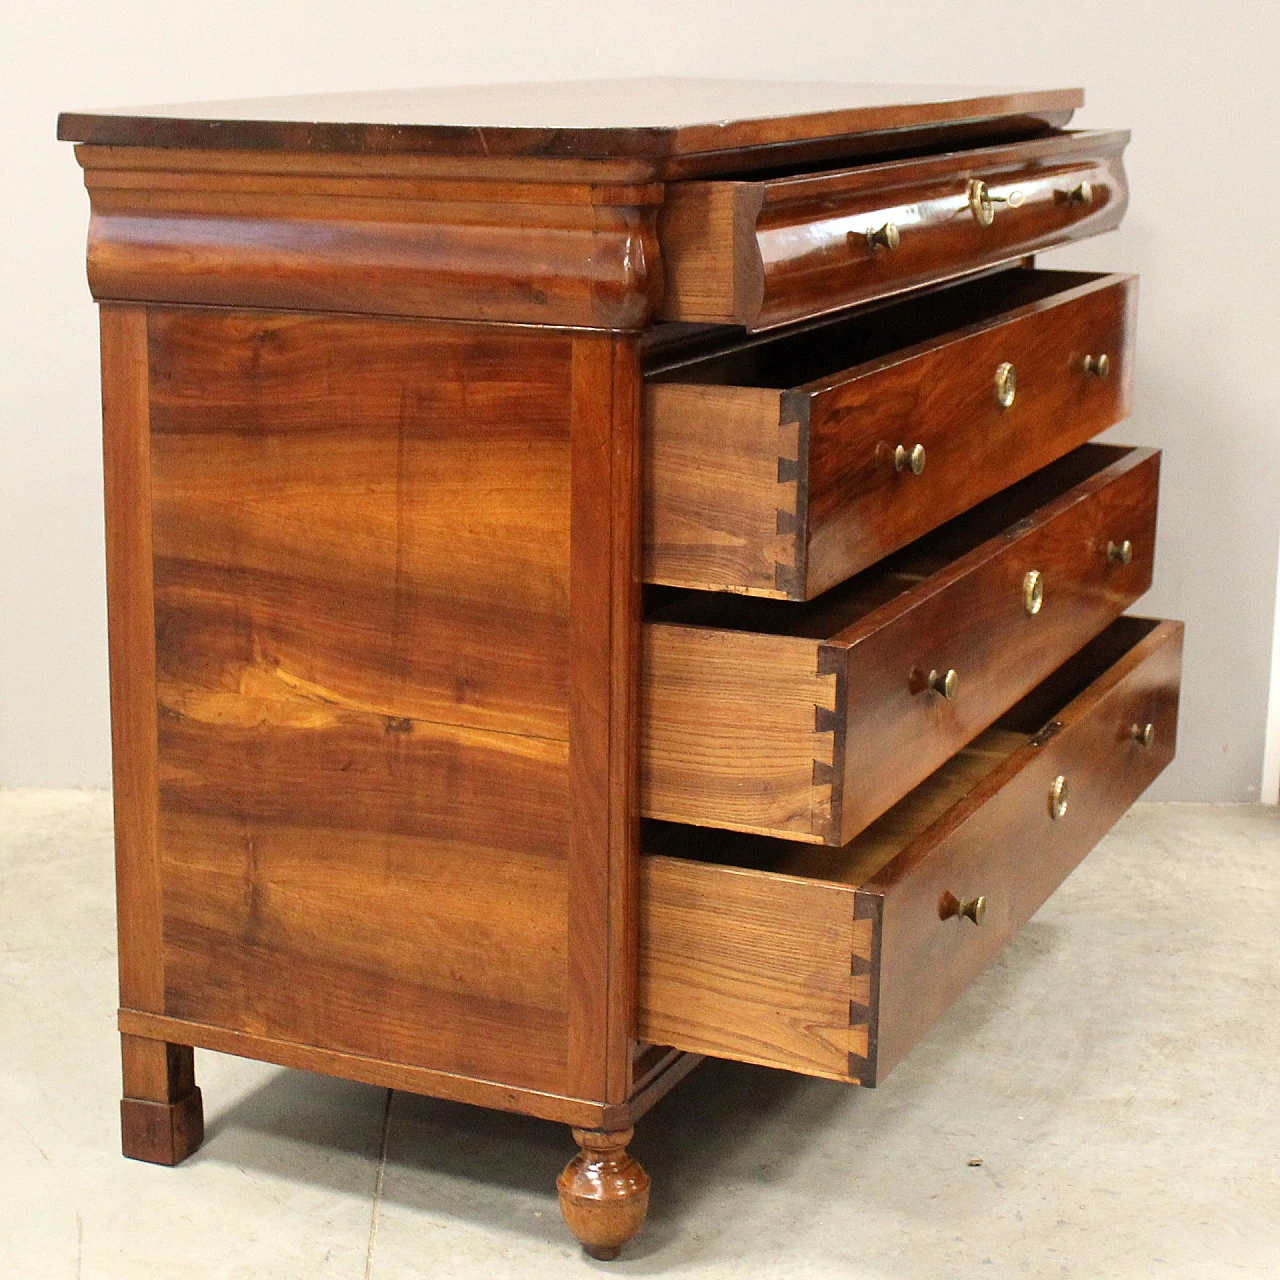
{"x":725,"y":1126}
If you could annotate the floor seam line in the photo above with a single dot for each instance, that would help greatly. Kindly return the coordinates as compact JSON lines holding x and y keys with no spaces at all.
{"x":377,"y":1185}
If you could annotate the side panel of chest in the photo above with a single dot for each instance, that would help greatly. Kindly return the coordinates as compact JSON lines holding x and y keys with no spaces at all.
{"x":367,"y":548}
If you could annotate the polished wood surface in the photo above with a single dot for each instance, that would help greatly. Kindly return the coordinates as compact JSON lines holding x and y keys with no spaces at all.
{"x":383,"y":1074}
{"x":341,"y":747}
{"x":1002,"y":841}
{"x":643,"y":116}
{"x":748,"y":966}
{"x":731,"y":925}
{"x":765,"y":252}
{"x":361,"y":793}
{"x":392,"y":441}
{"x":604,"y":1193}
{"x":126,"y":443}
{"x":161,"y":1112}
{"x":169,"y":227}
{"x":808,"y":722}
{"x":770,"y":466}
{"x":604,"y":660}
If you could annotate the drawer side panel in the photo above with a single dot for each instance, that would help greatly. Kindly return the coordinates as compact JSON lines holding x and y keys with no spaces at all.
{"x":748,"y":966}
{"x":737,"y":730}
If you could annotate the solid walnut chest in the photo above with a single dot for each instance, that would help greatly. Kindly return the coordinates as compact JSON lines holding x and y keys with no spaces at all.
{"x":604,"y":574}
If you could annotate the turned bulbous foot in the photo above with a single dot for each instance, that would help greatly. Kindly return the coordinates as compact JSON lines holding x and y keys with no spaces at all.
{"x":604,"y":1193}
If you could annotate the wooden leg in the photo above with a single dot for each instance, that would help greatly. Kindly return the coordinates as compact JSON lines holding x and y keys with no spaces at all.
{"x":161,"y":1115}
{"x":604,"y":1193}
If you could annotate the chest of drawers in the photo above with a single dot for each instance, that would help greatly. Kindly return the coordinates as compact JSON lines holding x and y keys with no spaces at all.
{"x":601,"y":575}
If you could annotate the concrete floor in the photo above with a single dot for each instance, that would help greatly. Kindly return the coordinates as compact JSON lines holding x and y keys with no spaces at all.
{"x":1115,"y":1071}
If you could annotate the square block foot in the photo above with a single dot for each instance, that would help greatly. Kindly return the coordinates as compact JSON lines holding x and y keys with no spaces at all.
{"x":161,"y":1132}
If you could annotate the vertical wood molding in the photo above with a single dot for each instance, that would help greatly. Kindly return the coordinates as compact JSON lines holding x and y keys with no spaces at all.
{"x":604,"y":646}
{"x":624,"y":721}
{"x":131,"y":643}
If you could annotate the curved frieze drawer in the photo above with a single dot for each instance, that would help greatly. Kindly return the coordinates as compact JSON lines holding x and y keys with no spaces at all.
{"x":809,"y":721}
{"x":782,"y":466}
{"x":836,"y":962}
{"x":768,"y":251}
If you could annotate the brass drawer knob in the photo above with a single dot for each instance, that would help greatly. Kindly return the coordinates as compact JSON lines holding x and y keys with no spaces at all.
{"x":1120,"y":552}
{"x":1033,"y":592}
{"x":912,"y":459}
{"x":974,"y":909}
{"x":944,"y":683}
{"x":1058,"y":798}
{"x":1099,"y":366}
{"x":982,"y":204}
{"x":1006,"y":384}
{"x":1143,"y":734}
{"x":1081,"y":194}
{"x":885,"y":237}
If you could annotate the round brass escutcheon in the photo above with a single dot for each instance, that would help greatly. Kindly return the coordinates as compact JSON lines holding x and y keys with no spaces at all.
{"x":1099,"y":365}
{"x":1120,"y":552}
{"x":912,"y":459}
{"x":1058,"y":798}
{"x":1006,"y":384}
{"x":944,"y":683}
{"x":1143,"y":734}
{"x":1081,"y":194}
{"x":1033,"y":592}
{"x":886,"y":237}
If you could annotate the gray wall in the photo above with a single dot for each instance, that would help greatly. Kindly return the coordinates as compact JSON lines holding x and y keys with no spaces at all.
{"x":1195,"y":82}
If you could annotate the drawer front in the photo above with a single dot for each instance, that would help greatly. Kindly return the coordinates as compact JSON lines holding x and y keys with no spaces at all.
{"x":812,"y":739}
{"x":979,"y":431}
{"x":786,"y":492}
{"x":1000,"y":630}
{"x":1005,"y":844}
{"x":834,"y":963}
{"x":764,"y":253}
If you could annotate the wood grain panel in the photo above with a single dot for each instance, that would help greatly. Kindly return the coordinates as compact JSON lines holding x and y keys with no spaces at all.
{"x":770,"y":464}
{"x":748,"y":941}
{"x":362,"y":555}
{"x":126,"y":441}
{"x":1001,"y":840}
{"x":737,"y":730}
{"x":577,"y":254}
{"x":638,"y":116}
{"x":605,"y":592}
{"x":720,"y":489}
{"x":783,"y":248}
{"x":861,"y":508}
{"x":743,"y":965}
{"x":387,"y":489}
{"x":809,"y":721}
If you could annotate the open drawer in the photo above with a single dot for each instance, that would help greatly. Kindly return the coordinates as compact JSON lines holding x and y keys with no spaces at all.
{"x":834,"y":962}
{"x":765,"y":250}
{"x":809,"y":721}
{"x":781,"y":466}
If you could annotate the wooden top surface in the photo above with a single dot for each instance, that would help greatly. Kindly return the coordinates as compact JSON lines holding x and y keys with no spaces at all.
{"x":653,"y":118}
